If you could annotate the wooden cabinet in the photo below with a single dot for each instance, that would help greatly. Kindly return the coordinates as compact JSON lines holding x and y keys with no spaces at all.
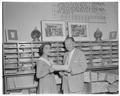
{"x":19,"y":61}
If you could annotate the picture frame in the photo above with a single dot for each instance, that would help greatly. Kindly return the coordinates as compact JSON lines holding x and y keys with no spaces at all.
{"x":53,"y":30}
{"x":112,"y":35}
{"x":79,"y":31}
{"x":12,"y":35}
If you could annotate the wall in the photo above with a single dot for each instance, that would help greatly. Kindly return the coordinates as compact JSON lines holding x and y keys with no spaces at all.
{"x":25,"y":16}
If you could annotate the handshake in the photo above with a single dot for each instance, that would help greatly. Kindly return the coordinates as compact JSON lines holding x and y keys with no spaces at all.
{"x":60,"y":68}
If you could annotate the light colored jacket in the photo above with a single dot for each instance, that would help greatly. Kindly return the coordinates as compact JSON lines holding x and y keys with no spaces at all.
{"x":74,"y":82}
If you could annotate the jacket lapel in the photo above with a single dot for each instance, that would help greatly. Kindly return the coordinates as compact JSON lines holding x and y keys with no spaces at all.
{"x":73,"y":58}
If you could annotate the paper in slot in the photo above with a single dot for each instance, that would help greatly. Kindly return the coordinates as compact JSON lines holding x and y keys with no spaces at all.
{"x":24,"y":45}
{"x":10,"y":71}
{"x":97,"y":64}
{"x":10,"y":46}
{"x":25,"y":55}
{"x":94,"y":76}
{"x":96,"y":47}
{"x":107,"y":47}
{"x":115,"y":59}
{"x":10,"y":51}
{"x":11,"y":56}
{"x":27,"y":67}
{"x":86,"y":48}
{"x":57,"y":45}
{"x":25,"y":60}
{"x":101,"y":76}
{"x":87,"y":76}
{"x":60,"y":67}
{"x":11,"y":66}
{"x":11,"y":61}
{"x":97,"y":60}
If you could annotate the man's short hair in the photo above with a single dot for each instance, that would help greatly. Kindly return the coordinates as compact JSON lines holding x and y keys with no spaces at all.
{"x":70,"y":38}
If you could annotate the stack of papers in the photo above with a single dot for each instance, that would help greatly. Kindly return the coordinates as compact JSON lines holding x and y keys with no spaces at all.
{"x":97,"y":87}
{"x":10,"y":51}
{"x":113,"y":87}
{"x":86,"y":48}
{"x":25,"y":55}
{"x":10,"y":71}
{"x":35,"y":50}
{"x":11,"y":66}
{"x":10,"y":46}
{"x":97,"y":60}
{"x":24,"y":81}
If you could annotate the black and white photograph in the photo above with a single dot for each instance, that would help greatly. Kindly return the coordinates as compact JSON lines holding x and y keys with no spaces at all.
{"x":11,"y":35}
{"x":53,"y":30}
{"x":60,"y":47}
{"x":78,"y":30}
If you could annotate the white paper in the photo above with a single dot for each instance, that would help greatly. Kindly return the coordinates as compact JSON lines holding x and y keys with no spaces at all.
{"x":60,"y":67}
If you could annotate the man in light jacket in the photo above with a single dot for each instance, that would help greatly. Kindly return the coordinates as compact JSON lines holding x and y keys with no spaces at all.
{"x":73,"y":78}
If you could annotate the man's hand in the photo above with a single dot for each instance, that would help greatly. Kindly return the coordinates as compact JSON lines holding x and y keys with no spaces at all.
{"x":51,"y":70}
{"x":69,"y":70}
{"x":61,"y":73}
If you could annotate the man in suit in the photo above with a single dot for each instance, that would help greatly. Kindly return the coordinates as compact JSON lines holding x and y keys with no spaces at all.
{"x":73,"y":78}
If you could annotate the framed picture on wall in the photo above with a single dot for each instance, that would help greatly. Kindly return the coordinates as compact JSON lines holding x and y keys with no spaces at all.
{"x":11,"y":35}
{"x":53,"y":31}
{"x":79,"y":31}
{"x":113,"y":35}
